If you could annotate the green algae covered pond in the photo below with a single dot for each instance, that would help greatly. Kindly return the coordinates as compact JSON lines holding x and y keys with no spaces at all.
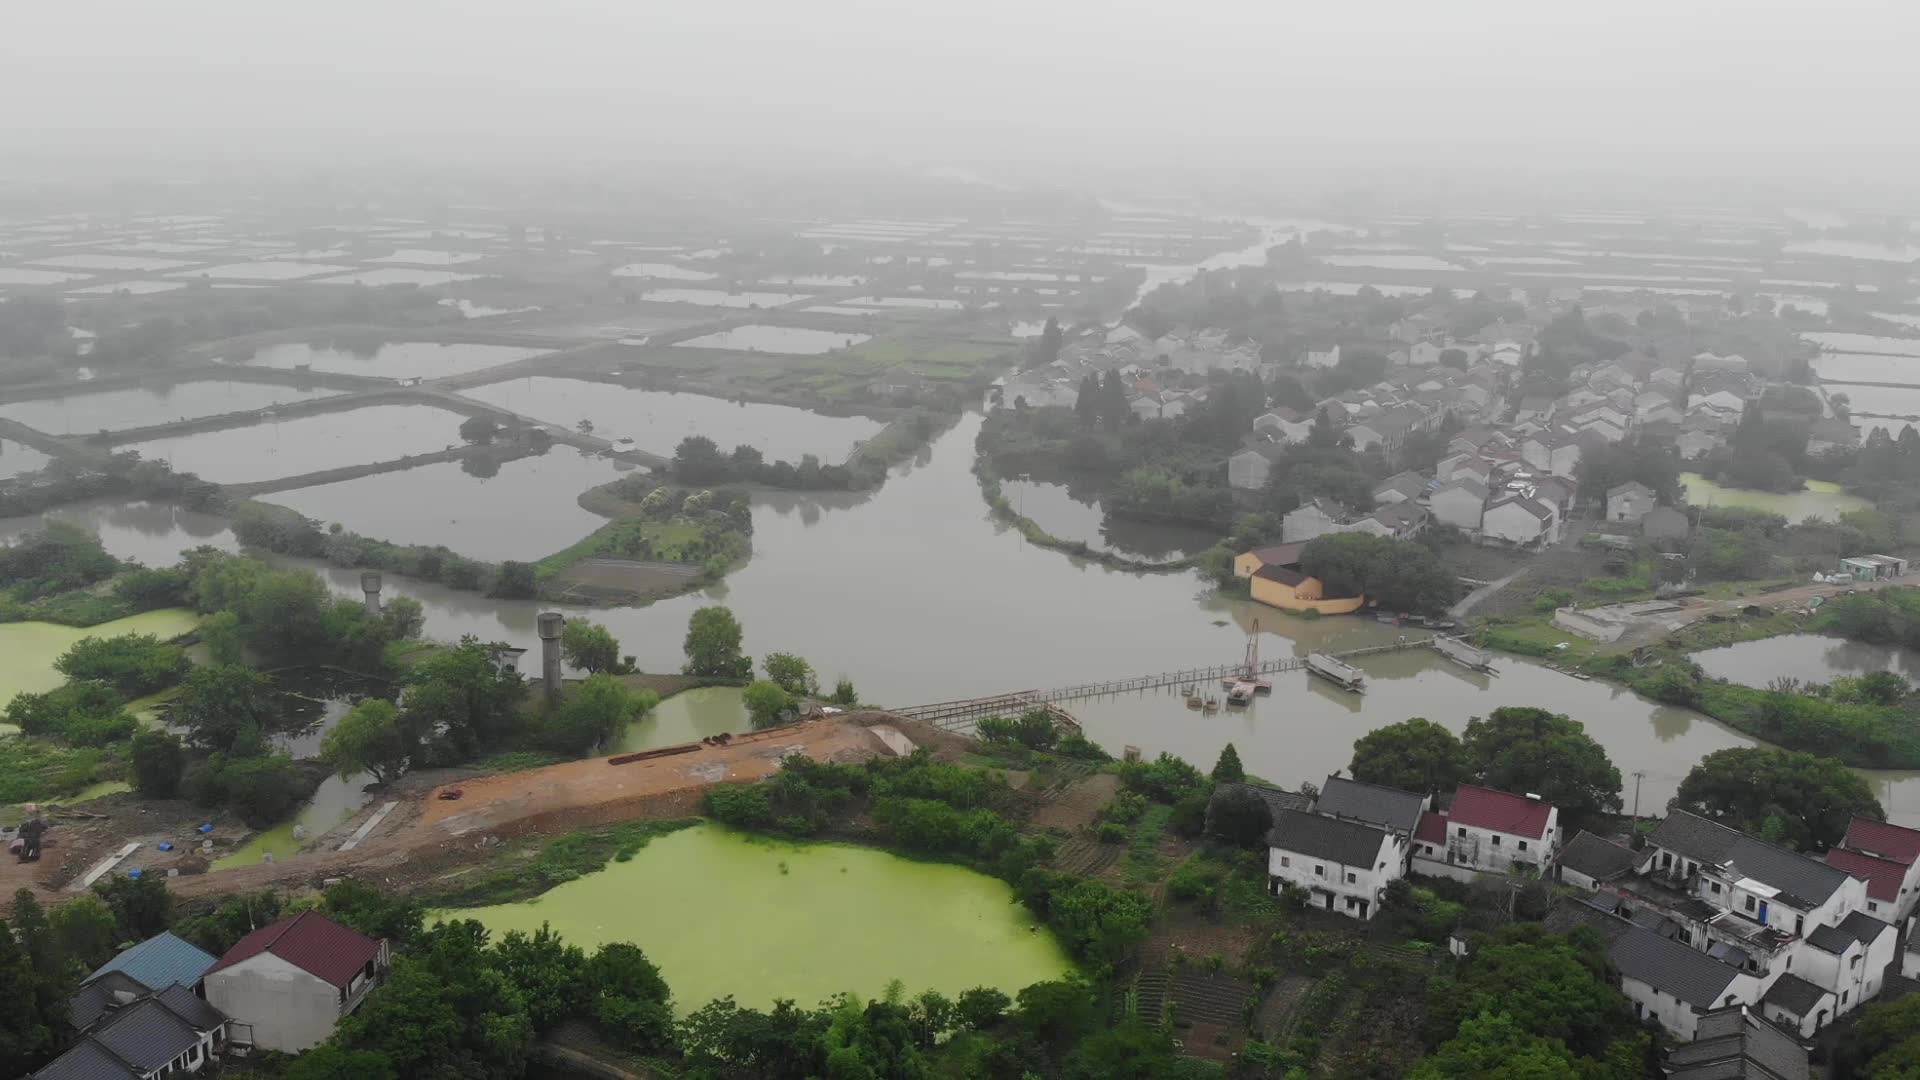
{"x":723,"y":913}
{"x":1822,"y":499}
{"x":28,"y":649}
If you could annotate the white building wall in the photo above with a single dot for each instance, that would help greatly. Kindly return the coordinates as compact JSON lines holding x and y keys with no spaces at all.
{"x":1311,"y":873}
{"x":1248,"y":470}
{"x":1512,"y":524}
{"x":288,"y":1009}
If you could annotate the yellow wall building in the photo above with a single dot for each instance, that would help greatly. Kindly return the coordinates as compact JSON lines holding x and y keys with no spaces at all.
{"x":1290,"y":590}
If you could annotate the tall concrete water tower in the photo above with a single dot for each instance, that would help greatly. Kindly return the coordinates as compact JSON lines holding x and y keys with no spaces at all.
{"x":551,"y":625}
{"x":370,"y":584}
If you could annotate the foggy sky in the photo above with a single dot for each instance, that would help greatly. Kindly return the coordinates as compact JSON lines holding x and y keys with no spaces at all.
{"x":1665,"y":87}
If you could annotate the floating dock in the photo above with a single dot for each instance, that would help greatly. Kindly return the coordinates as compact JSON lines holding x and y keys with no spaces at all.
{"x":1464,"y":654}
{"x":1338,"y":672}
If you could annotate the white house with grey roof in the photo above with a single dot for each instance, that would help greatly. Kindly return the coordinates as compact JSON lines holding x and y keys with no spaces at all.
{"x":1588,"y":861}
{"x":1735,"y":1043}
{"x":1674,"y":984}
{"x":1343,"y":865}
{"x":167,"y":1032}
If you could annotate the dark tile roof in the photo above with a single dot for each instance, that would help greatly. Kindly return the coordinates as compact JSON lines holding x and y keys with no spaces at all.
{"x":1596,"y":857}
{"x":1285,"y":575}
{"x":1671,"y":967}
{"x":1279,"y":554}
{"x":191,"y":1007}
{"x":1499,"y":811}
{"x":1346,"y":842}
{"x":1738,"y":1044}
{"x":1794,"y":994}
{"x":311,"y":942}
{"x":1372,"y":803}
{"x":1885,"y":840}
{"x":146,"y":1034}
{"x":100,"y":994}
{"x":1803,"y":882}
{"x":1883,"y":876}
{"x":88,"y":1060}
{"x":1863,"y":927}
{"x":161,"y":960}
{"x":1630,"y":487}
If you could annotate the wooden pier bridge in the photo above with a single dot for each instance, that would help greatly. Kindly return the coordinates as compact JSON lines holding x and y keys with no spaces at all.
{"x":955,"y":714}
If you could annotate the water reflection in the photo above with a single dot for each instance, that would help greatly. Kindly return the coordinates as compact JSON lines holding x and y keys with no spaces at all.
{"x":1071,"y":510}
{"x":1812,"y":658}
{"x":153,"y":533}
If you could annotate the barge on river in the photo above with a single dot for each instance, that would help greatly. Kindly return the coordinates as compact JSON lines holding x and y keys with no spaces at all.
{"x":1464,"y":654}
{"x":1338,"y":672}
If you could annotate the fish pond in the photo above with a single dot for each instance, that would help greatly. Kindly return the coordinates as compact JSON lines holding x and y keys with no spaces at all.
{"x":399,"y":360}
{"x":523,"y":509}
{"x":28,"y":649}
{"x":150,"y":533}
{"x":724,"y":914}
{"x":305,"y":444}
{"x":657,"y":420}
{"x":139,"y":406}
{"x":1813,"y":658}
{"x":17,"y":459}
{"x":688,"y":716}
{"x":1822,"y":499}
{"x":778,"y":339}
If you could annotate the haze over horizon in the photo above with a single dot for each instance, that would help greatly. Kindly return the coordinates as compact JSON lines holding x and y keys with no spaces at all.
{"x":1786,"y":92}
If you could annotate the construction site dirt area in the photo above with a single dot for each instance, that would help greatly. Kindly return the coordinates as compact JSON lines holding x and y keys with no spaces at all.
{"x":440,"y":820}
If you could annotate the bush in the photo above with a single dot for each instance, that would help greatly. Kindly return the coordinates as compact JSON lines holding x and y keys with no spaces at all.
{"x":134,"y":664}
{"x":1165,"y":779}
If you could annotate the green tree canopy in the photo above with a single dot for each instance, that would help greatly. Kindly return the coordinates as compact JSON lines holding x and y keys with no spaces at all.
{"x":1395,"y":574}
{"x":374,"y":737}
{"x":1529,"y":750}
{"x":226,"y":708}
{"x":791,"y":673}
{"x":1412,"y":755}
{"x":1240,"y":817}
{"x":465,"y":699}
{"x":1227,"y":768}
{"x":133,"y":664}
{"x":766,"y":702}
{"x":592,"y":714}
{"x":1794,"y":799}
{"x":159,"y":761}
{"x":590,"y":647}
{"x":713,"y":645}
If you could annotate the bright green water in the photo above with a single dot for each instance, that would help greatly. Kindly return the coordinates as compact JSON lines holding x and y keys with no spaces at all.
{"x":28,"y":649}
{"x":688,"y":716}
{"x":333,"y":802}
{"x":1822,"y":499}
{"x":723,"y":913}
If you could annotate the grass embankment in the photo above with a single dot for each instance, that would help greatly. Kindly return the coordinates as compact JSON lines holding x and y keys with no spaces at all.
{"x":533,"y":865}
{"x":849,"y":375}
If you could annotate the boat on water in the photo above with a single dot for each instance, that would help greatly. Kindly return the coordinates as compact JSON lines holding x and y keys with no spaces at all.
{"x":1240,"y":694}
{"x":1338,"y":672}
{"x":1212,"y":705}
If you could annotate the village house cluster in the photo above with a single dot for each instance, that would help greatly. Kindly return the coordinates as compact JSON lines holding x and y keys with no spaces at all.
{"x":1702,"y":921}
{"x":165,"y":1007}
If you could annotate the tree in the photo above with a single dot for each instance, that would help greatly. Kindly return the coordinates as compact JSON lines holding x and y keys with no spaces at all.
{"x":374,"y":737}
{"x":479,"y":430}
{"x":359,"y":906}
{"x":516,"y":581}
{"x":698,"y":460}
{"x":463,"y":700}
{"x":629,"y":1001}
{"x":1086,"y":404}
{"x":85,"y":931}
{"x":1396,"y":574}
{"x":844,"y":694}
{"x":1528,"y":750}
{"x":1050,"y":338}
{"x":713,"y":645}
{"x":1240,"y":817}
{"x":226,"y":708}
{"x":402,"y":617}
{"x":1551,"y":987}
{"x":1227,"y":769}
{"x":330,"y":1062}
{"x":262,"y":790}
{"x":1794,"y":799}
{"x":1415,"y":755}
{"x":766,"y":702}
{"x":26,"y":1036}
{"x":549,"y":974}
{"x":590,"y":647}
{"x":134,"y":664}
{"x":592,"y":714}
{"x":142,"y":907}
{"x":792,"y":674}
{"x":1493,"y":1047}
{"x":158,"y":763}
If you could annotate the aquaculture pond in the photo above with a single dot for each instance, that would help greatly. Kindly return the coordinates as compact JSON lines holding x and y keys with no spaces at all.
{"x":278,"y":449}
{"x":151,"y":533}
{"x":1073,"y":511}
{"x":657,"y":420}
{"x":525,"y":509}
{"x":398,"y":360}
{"x":18,"y":459}
{"x":140,"y":406}
{"x":1821,"y":499}
{"x":689,"y":716}
{"x":727,"y":914}
{"x":796,"y":341}
{"x":28,"y":649}
{"x":1813,"y":658}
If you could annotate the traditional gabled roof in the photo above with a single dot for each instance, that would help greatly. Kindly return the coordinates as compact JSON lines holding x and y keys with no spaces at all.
{"x":311,"y":942}
{"x":1499,"y":811}
{"x":1883,"y":839}
{"x":1372,"y":803}
{"x":161,"y":960}
{"x":1673,"y":968}
{"x":101,"y":994}
{"x":1794,"y":994}
{"x":1803,"y":882}
{"x":1736,"y":1043}
{"x":1432,"y":829}
{"x":1276,"y":799}
{"x":1598,"y":858}
{"x":1315,"y":836}
{"x":88,"y":1060}
{"x":1278,"y":554}
{"x":1285,"y":575}
{"x":1531,"y":506}
{"x":1631,"y":487}
{"x":1883,"y":876}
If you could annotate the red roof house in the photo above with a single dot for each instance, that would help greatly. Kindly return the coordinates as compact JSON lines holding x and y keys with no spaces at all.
{"x":1887,"y":841}
{"x":288,"y":983}
{"x":1500,"y":811}
{"x":1883,"y":876}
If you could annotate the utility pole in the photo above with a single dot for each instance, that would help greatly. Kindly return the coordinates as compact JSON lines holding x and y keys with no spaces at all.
{"x":1638,"y":775}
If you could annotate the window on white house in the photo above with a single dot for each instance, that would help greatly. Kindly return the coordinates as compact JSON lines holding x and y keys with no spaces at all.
{"x":1853,"y":963}
{"x":1843,"y":996}
{"x":1749,"y":903}
{"x":1319,"y":870}
{"x":1285,"y":861}
{"x":1715,"y":886}
{"x":1871,"y":906}
{"x":1496,"y":839}
{"x":1463,"y":830}
{"x":1352,"y":877}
